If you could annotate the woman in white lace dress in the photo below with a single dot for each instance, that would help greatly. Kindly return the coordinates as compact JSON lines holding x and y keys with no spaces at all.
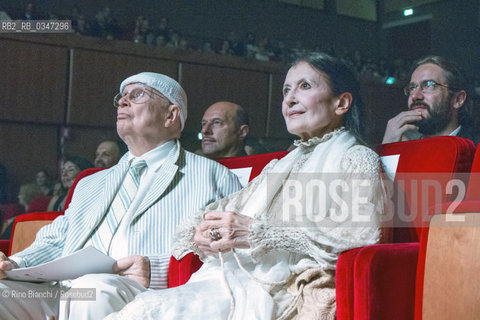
{"x":270,"y":250}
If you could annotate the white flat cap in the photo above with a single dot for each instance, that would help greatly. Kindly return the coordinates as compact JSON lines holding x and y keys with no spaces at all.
{"x":170,"y":88}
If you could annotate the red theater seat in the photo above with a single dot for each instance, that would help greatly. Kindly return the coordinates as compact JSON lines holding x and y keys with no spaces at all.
{"x":11,"y":210}
{"x":39,"y":204}
{"x":25,"y":228}
{"x":460,"y":239}
{"x":378,"y":282}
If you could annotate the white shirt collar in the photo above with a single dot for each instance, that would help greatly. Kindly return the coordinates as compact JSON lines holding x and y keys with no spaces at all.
{"x":155,"y":157}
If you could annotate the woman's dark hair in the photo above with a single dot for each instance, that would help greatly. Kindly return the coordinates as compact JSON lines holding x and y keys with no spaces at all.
{"x":80,"y":162}
{"x":341,"y":79}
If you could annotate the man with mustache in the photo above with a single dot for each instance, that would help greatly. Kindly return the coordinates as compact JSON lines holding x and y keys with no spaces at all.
{"x":224,"y":128}
{"x":438,"y":104}
{"x":108,"y":153}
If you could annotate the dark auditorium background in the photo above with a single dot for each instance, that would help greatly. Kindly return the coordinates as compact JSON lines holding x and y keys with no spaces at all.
{"x":56,"y":90}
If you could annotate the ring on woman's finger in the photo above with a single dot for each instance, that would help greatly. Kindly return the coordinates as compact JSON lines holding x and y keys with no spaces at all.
{"x":215,"y":235}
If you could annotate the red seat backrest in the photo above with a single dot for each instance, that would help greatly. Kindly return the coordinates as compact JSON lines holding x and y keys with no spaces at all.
{"x":39,"y":204}
{"x":30,"y":223}
{"x":255,"y":161}
{"x":11,"y":210}
{"x":473,"y":190}
{"x":425,"y":167}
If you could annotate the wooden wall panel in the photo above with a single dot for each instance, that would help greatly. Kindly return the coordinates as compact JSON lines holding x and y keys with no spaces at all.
{"x":33,"y":81}
{"x":96,"y":77}
{"x":206,"y":85}
{"x":27,"y":148}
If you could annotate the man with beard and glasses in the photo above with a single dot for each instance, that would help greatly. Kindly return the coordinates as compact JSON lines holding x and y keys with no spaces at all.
{"x":438,"y":104}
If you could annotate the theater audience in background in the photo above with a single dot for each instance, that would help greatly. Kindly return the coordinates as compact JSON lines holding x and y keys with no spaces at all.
{"x":44,"y":182}
{"x":224,"y":129}
{"x":156,"y":31}
{"x":108,"y":153}
{"x":439,"y":103}
{"x":72,"y":166}
{"x":128,"y":211}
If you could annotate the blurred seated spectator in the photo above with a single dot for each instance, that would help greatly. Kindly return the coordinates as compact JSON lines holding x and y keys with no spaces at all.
{"x":105,"y":25}
{"x":250,"y":45}
{"x":81,"y":26}
{"x":44,"y":182}
{"x":173,"y":39}
{"x":136,"y":35}
{"x":4,"y":16}
{"x":71,"y":168}
{"x":27,"y":192}
{"x":224,"y":48}
{"x":207,"y":48}
{"x":280,"y":53}
{"x":147,"y":32}
{"x":236,"y":46}
{"x":30,"y":12}
{"x":162,"y":28}
{"x":108,"y":153}
{"x":263,"y":50}
{"x":161,"y":41}
{"x":184,"y":45}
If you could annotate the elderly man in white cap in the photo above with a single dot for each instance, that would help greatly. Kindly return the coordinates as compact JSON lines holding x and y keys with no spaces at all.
{"x":128,"y":211}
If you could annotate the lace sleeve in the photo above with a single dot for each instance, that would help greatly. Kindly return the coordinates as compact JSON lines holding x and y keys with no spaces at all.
{"x":324,"y":240}
{"x":183,"y":238}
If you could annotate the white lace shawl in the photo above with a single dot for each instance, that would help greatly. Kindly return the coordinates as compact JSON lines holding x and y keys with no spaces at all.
{"x":314,"y":244}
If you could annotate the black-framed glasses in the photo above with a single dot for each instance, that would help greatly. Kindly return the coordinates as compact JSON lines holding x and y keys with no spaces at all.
{"x":136,"y":95}
{"x":425,"y":86}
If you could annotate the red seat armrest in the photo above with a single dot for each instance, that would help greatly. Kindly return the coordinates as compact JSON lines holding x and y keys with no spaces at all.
{"x":180,"y":271}
{"x":385,"y":281}
{"x":344,"y":284}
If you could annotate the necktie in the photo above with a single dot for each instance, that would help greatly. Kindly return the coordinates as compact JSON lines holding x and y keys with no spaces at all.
{"x":103,"y":236}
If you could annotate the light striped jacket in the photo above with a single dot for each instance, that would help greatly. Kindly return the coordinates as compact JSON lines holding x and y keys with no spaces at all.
{"x":185,"y":183}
